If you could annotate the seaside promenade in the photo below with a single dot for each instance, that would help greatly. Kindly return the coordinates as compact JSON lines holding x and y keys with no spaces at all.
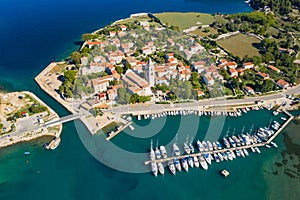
{"x":213,"y":104}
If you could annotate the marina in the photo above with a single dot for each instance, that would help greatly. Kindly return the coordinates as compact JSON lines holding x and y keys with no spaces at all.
{"x":233,"y":147}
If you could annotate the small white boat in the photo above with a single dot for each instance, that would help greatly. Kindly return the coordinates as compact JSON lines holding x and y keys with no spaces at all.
{"x":220,"y":156}
{"x":252,"y":149}
{"x":257,"y":149}
{"x":207,"y":158}
{"x":203,"y":162}
{"x":200,"y":146}
{"x":152,"y":154}
{"x":161,"y":168}
{"x":176,"y":150}
{"x":191,"y":148}
{"x":191,"y":161}
{"x":163,"y":151}
{"x":157,"y":153}
{"x":242,"y":153}
{"x":187,"y":148}
{"x":196,"y":161}
{"x":185,"y":164}
{"x":246,"y":152}
{"x":172,"y":167}
{"x":177,"y":164}
{"x":268,"y":146}
{"x":283,"y":118}
{"x":154,"y":168}
{"x":274,"y":144}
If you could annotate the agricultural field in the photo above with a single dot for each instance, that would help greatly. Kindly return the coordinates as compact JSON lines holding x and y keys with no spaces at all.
{"x":185,"y":20}
{"x":240,"y":45}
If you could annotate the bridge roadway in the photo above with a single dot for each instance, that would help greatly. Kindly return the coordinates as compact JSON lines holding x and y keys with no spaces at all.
{"x":228,"y":149}
{"x":154,"y":108}
{"x":63,"y":120}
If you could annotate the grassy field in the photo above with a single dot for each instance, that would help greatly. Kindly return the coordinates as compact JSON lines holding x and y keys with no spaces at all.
{"x":202,"y":33}
{"x":185,"y":20}
{"x":240,"y":45}
{"x":132,"y":19}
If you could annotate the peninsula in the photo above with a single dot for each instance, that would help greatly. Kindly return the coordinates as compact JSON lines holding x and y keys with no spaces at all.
{"x":23,"y":117}
{"x":145,"y":64}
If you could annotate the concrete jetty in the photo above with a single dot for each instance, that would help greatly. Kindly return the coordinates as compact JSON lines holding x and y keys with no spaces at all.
{"x":291,"y":117}
{"x":118,"y":131}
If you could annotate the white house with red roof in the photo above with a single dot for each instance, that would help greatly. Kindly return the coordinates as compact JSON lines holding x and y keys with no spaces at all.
{"x":231,"y":65}
{"x":283,"y":84}
{"x":233,"y":72}
{"x":123,"y":27}
{"x":249,"y":90}
{"x":248,"y":65}
{"x":274,"y":68}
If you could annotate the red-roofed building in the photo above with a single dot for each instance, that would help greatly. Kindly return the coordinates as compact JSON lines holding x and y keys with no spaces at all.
{"x":112,"y":94}
{"x":102,"y":96}
{"x":199,"y":93}
{"x":263,"y":75}
{"x":249,"y":90}
{"x":93,"y":43}
{"x":112,"y":33}
{"x":283,"y":84}
{"x":233,"y":72}
{"x":123,"y":27}
{"x":241,"y":71}
{"x":248,"y":65}
{"x":232,"y":65}
{"x":274,"y":68}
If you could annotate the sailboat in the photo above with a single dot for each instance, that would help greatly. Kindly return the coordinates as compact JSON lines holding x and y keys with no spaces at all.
{"x":157,"y":152}
{"x":152,"y":153}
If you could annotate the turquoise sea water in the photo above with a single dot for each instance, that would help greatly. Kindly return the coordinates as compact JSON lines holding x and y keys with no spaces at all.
{"x":71,"y":172}
{"x":35,"y":32}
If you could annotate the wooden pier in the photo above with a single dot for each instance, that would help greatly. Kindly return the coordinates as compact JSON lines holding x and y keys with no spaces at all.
{"x":118,"y":131}
{"x":229,"y":149}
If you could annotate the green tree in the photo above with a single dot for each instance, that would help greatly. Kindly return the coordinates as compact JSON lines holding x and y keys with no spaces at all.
{"x":75,"y":56}
{"x":119,"y":69}
{"x":69,"y":76}
{"x":61,"y":89}
{"x":88,"y":36}
{"x":267,"y":86}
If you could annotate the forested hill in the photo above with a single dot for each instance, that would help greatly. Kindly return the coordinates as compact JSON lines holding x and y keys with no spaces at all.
{"x":280,"y":6}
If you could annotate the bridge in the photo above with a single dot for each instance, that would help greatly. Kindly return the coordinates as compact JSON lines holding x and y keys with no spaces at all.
{"x":63,"y":120}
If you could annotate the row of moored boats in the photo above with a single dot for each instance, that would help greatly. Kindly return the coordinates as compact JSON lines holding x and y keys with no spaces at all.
{"x":202,"y":113}
{"x":232,"y":147}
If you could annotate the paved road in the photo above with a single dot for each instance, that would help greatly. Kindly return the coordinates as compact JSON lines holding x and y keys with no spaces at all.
{"x":147,"y":108}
